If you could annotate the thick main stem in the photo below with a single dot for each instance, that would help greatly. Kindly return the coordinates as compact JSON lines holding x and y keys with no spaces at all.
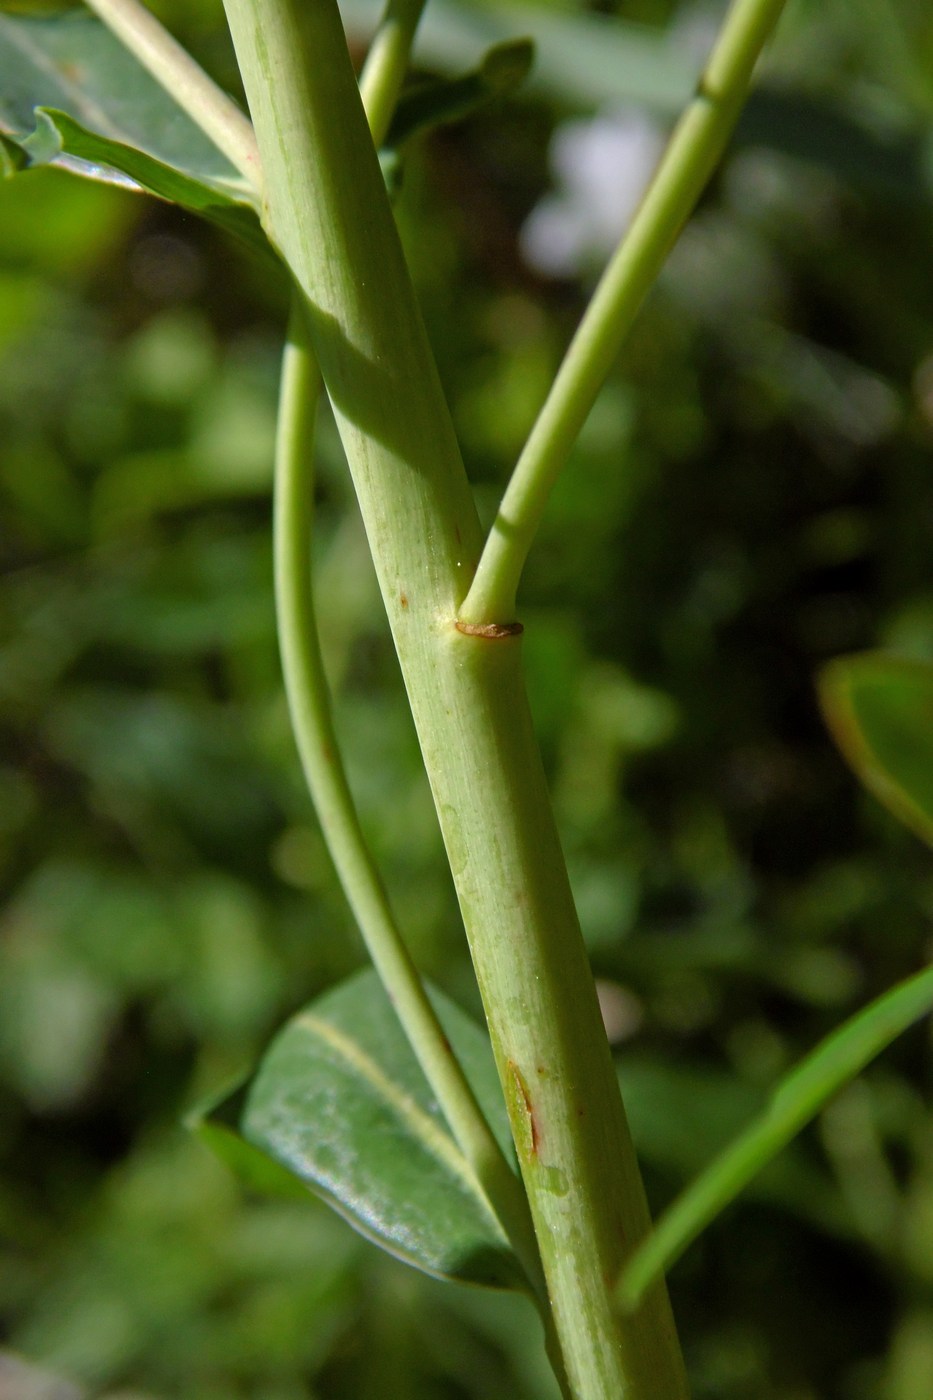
{"x":328,"y":213}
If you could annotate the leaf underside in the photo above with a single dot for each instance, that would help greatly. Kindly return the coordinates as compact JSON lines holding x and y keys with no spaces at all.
{"x":72,"y":96}
{"x":340,"y":1105}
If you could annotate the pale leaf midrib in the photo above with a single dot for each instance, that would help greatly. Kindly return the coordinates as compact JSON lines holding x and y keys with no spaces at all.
{"x":420,"y":1124}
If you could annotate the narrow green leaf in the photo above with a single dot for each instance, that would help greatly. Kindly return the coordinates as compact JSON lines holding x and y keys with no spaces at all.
{"x":59,"y":139}
{"x":797,"y":1099}
{"x":880,"y":710}
{"x":71,"y":95}
{"x":682,"y":1116}
{"x":339,"y":1102}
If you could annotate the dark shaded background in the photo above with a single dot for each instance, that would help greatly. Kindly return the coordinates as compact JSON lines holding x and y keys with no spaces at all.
{"x":751,"y":496}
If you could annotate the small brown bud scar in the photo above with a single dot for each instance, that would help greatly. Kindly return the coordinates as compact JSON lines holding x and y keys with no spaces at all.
{"x":492,"y":630}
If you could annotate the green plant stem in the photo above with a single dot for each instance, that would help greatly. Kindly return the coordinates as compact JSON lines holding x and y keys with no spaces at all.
{"x":308,"y":699}
{"x":798,"y":1099}
{"x":215,"y":113}
{"x":312,"y":718}
{"x":691,"y":155}
{"x":387,"y":63}
{"x":328,"y":213}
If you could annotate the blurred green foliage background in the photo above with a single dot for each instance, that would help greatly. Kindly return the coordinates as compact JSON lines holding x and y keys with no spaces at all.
{"x":752,"y":496}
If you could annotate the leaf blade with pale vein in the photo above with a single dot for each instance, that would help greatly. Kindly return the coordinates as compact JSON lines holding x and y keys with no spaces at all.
{"x":340,"y":1103}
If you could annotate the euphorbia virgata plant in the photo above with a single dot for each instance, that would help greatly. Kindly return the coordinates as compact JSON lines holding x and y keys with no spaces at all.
{"x":384,"y":1058}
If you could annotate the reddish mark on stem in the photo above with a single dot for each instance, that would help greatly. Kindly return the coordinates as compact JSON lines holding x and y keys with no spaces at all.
{"x":491,"y":630}
{"x":403,"y":599}
{"x":533,"y":1138}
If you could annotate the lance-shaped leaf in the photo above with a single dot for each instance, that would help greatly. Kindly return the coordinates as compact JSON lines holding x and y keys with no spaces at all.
{"x":880,"y":710}
{"x":797,"y":1099}
{"x":71,"y":95}
{"x":340,"y":1103}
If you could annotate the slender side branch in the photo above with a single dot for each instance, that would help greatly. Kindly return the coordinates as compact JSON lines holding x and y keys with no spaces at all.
{"x":306,"y":689}
{"x":695,"y":147}
{"x":196,"y":93}
{"x":312,"y":721}
{"x":797,"y":1099}
{"x":387,"y":63}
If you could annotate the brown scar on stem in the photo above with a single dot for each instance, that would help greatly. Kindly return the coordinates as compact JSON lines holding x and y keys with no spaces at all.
{"x":519,"y":1081}
{"x":492,"y":630}
{"x":403,"y":599}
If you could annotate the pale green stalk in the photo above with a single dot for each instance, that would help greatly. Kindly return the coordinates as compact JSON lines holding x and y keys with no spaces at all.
{"x":387,"y":63}
{"x":307,"y":692}
{"x":799,"y":1097}
{"x":691,"y":155}
{"x":312,"y":721}
{"x":328,"y":213}
{"x":209,"y":106}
